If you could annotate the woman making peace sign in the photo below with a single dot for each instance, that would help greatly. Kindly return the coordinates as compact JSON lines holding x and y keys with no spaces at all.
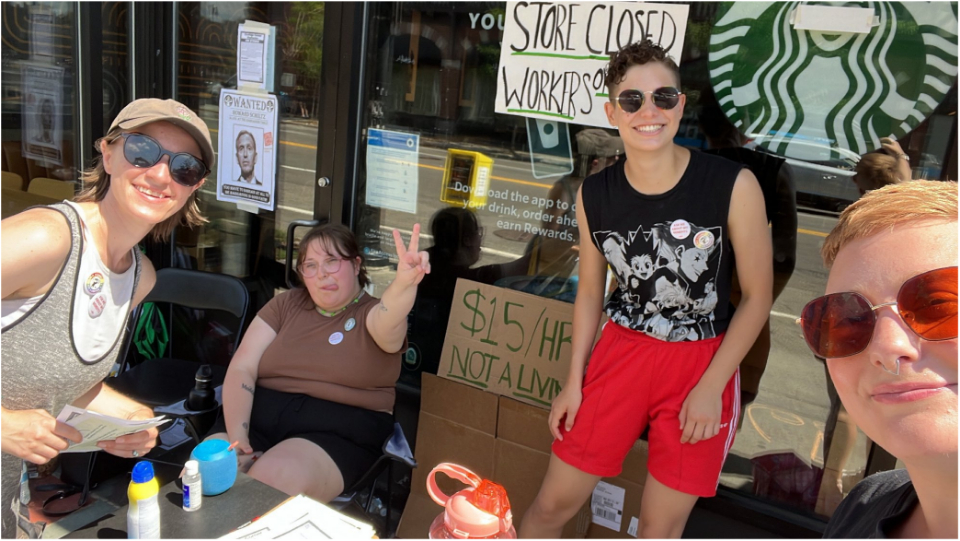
{"x":311,"y":387}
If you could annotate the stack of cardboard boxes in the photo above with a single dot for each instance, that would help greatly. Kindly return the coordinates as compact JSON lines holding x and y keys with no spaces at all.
{"x":488,"y":411}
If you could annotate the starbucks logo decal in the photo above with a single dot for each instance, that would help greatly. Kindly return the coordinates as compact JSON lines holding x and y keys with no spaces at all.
{"x":803,"y":93}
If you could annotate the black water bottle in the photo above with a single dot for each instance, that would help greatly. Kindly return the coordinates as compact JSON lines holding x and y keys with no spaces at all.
{"x":202,"y":397}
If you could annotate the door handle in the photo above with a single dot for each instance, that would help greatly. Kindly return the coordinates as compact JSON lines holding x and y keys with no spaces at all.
{"x":289,"y":273}
{"x":323,"y":182}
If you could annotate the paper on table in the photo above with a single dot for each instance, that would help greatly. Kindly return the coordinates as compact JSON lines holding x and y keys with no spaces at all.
{"x":303,"y":518}
{"x":96,"y":427}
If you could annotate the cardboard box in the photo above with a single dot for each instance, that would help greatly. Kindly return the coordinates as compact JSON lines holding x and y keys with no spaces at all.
{"x":504,"y":359}
{"x":630,"y":482}
{"x":498,"y":438}
{"x":621,"y":505}
{"x":522,"y":457}
{"x":507,"y":342}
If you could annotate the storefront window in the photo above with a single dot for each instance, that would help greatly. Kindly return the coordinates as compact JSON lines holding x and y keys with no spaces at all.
{"x":39,"y":91}
{"x":430,"y":76}
{"x":116,"y":66}
{"x":235,"y":241}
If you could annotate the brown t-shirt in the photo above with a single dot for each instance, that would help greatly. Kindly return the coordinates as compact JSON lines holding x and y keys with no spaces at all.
{"x":332,"y":358}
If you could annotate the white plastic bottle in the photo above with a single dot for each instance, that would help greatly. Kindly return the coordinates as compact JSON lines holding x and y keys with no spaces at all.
{"x":143,"y":513}
{"x":192,"y":487}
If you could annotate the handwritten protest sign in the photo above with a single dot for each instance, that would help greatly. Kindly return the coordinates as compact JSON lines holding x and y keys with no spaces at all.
{"x":554,"y":53}
{"x":509,"y":343}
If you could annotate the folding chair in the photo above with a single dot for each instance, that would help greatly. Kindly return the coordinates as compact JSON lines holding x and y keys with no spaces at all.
{"x":396,"y":450}
{"x":164,"y":383}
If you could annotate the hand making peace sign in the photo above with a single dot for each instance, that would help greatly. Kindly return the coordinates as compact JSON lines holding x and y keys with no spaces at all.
{"x":413,"y":265}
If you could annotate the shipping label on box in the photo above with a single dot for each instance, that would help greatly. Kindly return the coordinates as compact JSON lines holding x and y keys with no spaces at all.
{"x":509,"y":343}
{"x":607,"y":505}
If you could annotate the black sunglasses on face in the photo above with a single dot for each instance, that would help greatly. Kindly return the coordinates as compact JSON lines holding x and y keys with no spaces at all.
{"x":143,"y":151}
{"x":631,"y":100}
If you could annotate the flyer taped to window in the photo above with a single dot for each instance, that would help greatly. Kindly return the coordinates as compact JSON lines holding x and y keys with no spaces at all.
{"x":247,"y":164}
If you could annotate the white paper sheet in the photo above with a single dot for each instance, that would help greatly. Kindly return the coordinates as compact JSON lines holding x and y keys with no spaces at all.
{"x":96,"y":427}
{"x":303,"y":518}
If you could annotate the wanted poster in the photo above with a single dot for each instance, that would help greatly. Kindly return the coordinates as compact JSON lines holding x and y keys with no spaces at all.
{"x":248,"y":154}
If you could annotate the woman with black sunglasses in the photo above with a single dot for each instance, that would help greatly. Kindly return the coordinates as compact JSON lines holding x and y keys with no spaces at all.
{"x":669,"y":223}
{"x":71,"y":274}
{"x":888,"y":330}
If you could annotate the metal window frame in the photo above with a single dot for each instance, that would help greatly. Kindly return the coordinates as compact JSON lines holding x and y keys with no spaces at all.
{"x":89,"y":81}
{"x":338,"y":140}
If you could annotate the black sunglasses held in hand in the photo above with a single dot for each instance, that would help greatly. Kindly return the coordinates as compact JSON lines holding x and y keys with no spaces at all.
{"x":842,"y":324}
{"x":144,"y":151}
{"x":665,"y":98}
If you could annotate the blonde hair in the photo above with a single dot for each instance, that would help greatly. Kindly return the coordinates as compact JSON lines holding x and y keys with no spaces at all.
{"x":96,"y":183}
{"x":889,"y":206}
{"x":876,"y":170}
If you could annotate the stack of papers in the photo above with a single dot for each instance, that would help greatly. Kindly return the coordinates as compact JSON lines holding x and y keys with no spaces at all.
{"x":96,"y":427}
{"x":303,"y":518}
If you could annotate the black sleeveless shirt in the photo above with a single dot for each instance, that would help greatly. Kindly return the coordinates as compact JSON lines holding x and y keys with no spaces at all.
{"x":670,"y":252}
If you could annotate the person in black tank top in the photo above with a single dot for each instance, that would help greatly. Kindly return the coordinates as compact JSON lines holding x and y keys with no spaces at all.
{"x":668,"y":223}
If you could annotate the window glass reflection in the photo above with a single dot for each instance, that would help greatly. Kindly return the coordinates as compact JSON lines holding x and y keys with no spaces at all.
{"x":39,"y":93}
{"x":237,"y":242}
{"x":432,"y":72}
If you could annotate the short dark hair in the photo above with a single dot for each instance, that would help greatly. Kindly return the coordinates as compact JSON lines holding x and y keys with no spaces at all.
{"x":637,"y":54}
{"x":452,"y":228}
{"x":252,"y":138}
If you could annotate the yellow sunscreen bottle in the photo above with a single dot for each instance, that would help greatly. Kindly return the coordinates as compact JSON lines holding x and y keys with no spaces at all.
{"x":143,"y":514}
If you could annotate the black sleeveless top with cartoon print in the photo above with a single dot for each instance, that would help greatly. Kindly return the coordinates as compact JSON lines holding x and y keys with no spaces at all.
{"x":670,"y":252}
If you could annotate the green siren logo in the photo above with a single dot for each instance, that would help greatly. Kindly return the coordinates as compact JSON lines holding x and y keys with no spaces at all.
{"x":796,"y":91}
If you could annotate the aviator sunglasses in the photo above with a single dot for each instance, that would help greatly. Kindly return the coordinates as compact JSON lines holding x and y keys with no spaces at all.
{"x":842,"y":324}
{"x":143,"y":151}
{"x":666,"y":98}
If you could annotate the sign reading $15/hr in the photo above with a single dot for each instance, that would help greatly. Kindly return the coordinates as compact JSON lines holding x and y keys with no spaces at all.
{"x":510,"y":343}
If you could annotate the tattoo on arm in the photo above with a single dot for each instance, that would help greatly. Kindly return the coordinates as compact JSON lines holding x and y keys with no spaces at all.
{"x":246,"y":425}
{"x":383,"y":307}
{"x":247,"y":387}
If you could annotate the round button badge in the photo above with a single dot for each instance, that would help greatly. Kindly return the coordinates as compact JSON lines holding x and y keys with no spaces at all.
{"x":350,"y":324}
{"x":680,"y":229}
{"x":703,"y":240}
{"x":94,"y":283}
{"x":97,"y":304}
{"x":336,"y":338}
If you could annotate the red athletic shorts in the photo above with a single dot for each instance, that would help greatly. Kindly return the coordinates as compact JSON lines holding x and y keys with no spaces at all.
{"x":634,"y":380}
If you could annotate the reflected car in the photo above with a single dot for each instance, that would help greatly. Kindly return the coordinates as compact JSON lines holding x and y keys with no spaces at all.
{"x":823,"y":177}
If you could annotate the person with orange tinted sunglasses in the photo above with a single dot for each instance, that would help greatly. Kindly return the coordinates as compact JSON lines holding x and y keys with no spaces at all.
{"x":887,"y":328}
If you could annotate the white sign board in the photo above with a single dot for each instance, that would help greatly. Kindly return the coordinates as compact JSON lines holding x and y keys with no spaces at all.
{"x":246,"y":173}
{"x":553,"y":54}
{"x":255,"y":48}
{"x":393,"y":169}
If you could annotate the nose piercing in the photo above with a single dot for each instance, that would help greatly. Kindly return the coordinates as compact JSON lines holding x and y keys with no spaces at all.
{"x":897,"y":373}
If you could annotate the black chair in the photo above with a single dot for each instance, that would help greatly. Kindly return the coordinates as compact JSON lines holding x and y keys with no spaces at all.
{"x":165,"y":383}
{"x":396,"y":450}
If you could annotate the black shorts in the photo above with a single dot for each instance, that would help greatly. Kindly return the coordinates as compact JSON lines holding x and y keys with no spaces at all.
{"x":352,"y":436}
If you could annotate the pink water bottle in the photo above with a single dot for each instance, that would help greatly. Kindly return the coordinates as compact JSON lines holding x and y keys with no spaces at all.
{"x":480,"y":511}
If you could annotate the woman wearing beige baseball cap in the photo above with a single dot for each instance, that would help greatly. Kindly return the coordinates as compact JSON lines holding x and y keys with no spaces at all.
{"x":71,"y":272}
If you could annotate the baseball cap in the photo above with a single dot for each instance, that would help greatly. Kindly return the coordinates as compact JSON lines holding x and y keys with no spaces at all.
{"x":148,"y":110}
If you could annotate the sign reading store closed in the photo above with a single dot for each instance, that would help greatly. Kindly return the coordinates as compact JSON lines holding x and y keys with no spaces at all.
{"x":553,"y":54}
